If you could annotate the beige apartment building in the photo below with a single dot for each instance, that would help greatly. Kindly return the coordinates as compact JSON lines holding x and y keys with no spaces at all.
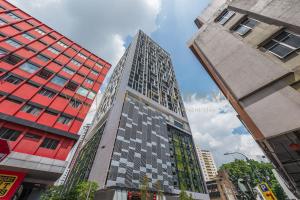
{"x":207,"y":163}
{"x":250,"y":48}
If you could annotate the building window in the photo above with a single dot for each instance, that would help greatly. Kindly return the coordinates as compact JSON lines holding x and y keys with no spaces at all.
{"x":12,"y":15}
{"x":68,"y":70}
{"x":45,"y":74}
{"x":27,"y":36}
{"x":71,"y":86}
{"x":47,"y":93}
{"x":82,"y":91}
{"x":64,"y":120}
{"x":13,"y":43}
{"x":31,"y":110}
{"x":91,"y":95}
{"x":62,"y":44}
{"x":75,"y":103}
{"x":224,"y":16}
{"x":75,"y":62}
{"x":82,"y":55}
{"x":2,"y":22}
{"x":53,"y":50}
{"x":89,"y":81}
{"x":98,"y":65}
{"x":245,"y":26}
{"x":49,"y":143}
{"x":11,"y":59}
{"x":32,"y":136}
{"x":59,"y":80}
{"x":9,"y":134}
{"x":95,"y":72}
{"x":283,"y":44}
{"x":43,"y":58}
{"x":40,"y":31}
{"x":12,"y":79}
{"x":28,"y":67}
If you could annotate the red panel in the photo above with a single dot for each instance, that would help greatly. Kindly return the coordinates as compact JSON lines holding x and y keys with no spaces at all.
{"x":54,"y":67}
{"x":71,"y":111}
{"x":64,"y":127}
{"x":96,"y":87}
{"x":62,"y":59}
{"x":37,"y":45}
{"x":6,"y":66}
{"x":104,"y":70}
{"x":64,"y":150}
{"x":54,"y":86}
{"x":26,"y":91}
{"x":26,"y":116}
{"x":44,"y":152}
{"x":75,"y":126}
{"x":28,"y":145}
{"x":59,"y":103}
{"x":84,"y":110}
{"x":84,"y":70}
{"x":24,"y":53}
{"x":39,"y":80}
{"x":87,"y":85}
{"x":9,"y":107}
{"x":78,"y":79}
{"x":47,"y":119}
{"x":7,"y":87}
{"x":21,"y":73}
{"x":70,"y":52}
{"x":101,"y":78}
{"x":9,"y":31}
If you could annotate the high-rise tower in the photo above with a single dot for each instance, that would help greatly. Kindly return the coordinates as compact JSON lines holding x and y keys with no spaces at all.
{"x":140,"y":130}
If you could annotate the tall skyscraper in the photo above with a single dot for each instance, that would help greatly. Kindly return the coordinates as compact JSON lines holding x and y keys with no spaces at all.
{"x":141,"y":130}
{"x":251,"y":50}
{"x":47,"y":85}
{"x":207,"y":164}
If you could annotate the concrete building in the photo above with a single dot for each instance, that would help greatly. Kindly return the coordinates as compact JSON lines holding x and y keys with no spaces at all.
{"x":140,"y":130}
{"x":251,"y":50}
{"x":207,"y":163}
{"x":221,"y":188}
{"x":47,"y":85}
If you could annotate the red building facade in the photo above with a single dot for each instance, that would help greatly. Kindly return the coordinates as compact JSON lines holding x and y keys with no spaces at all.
{"x":47,"y":85}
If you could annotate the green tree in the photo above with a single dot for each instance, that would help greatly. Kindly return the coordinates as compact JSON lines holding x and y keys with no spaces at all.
{"x":184,"y":196}
{"x":83,"y":191}
{"x":254,"y":172}
{"x":145,"y":189}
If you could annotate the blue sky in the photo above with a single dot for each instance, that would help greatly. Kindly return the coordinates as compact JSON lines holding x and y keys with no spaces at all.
{"x":106,"y":27}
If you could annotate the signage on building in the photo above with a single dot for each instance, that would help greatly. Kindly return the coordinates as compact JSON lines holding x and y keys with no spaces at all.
{"x":4,"y":149}
{"x":9,"y":183}
{"x":266,"y":191}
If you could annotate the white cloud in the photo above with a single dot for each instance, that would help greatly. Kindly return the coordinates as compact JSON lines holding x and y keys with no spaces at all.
{"x":213,"y":121}
{"x":100,"y":26}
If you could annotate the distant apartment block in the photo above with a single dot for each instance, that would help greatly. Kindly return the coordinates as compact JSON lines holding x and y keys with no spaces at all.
{"x":250,"y":48}
{"x":207,"y":163}
{"x":47,"y":85}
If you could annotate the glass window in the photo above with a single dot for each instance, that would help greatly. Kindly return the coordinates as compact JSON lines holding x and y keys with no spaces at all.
{"x":40,"y":31}
{"x":68,"y":70}
{"x":28,"y":67}
{"x":75,"y":62}
{"x":11,"y":59}
{"x":47,"y":93}
{"x":82,"y":55}
{"x":53,"y":50}
{"x":9,"y":134}
{"x":2,"y":22}
{"x":71,"y":86}
{"x":82,"y":91}
{"x":62,"y":44}
{"x":27,"y":36}
{"x":59,"y":80}
{"x":89,"y":81}
{"x":12,"y":79}
{"x":12,"y":15}
{"x":75,"y":103}
{"x":283,"y":44}
{"x":98,"y":65}
{"x":49,"y":143}
{"x":246,"y":26}
{"x":44,"y":73}
{"x":64,"y":120}
{"x":91,"y":95}
{"x":42,"y":58}
{"x":31,"y":109}
{"x":225,"y":16}
{"x":13,"y":43}
{"x":95,"y":72}
{"x":32,"y":136}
